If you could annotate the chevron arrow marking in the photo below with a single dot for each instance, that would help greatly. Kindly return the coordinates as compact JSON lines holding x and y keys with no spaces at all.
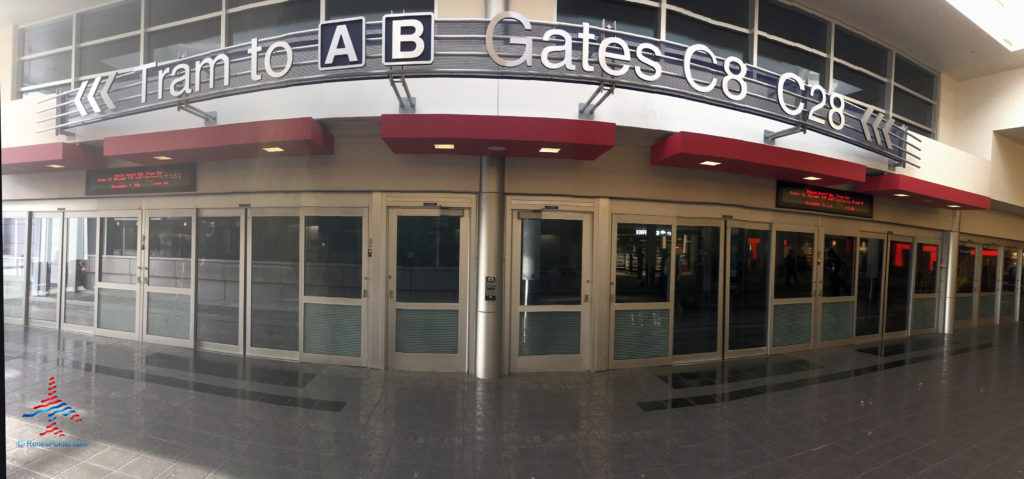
{"x":92,"y":96}
{"x":886,"y":134}
{"x":105,"y":91}
{"x":864,"y":123}
{"x":876,"y":125}
{"x":78,"y":100}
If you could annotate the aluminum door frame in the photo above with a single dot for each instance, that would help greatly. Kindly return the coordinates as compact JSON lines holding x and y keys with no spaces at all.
{"x":136,"y":287}
{"x":978,"y":320}
{"x":902,"y":238}
{"x":975,"y":286}
{"x":249,"y":348}
{"x":813,"y":299}
{"x":726,"y":266}
{"x":549,"y":363}
{"x":24,"y":281}
{"x":883,"y":289}
{"x":614,"y":306}
{"x":64,"y":325}
{"x":722,"y":285}
{"x":835,"y":229}
{"x":424,"y":361}
{"x":147,"y":288}
{"x":58,"y":308}
{"x":243,"y":275}
{"x":914,"y":296}
{"x":362,"y":301}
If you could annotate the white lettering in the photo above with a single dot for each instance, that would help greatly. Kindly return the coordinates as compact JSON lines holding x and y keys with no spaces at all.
{"x":341,"y":45}
{"x":145,"y":80}
{"x":211,"y":63}
{"x":254,"y":52}
{"x":287,"y":49}
{"x":180,"y":83}
{"x":780,"y":90}
{"x":688,"y":71}
{"x":586,"y":36}
{"x":160,"y":82}
{"x":649,"y":61}
{"x":400,"y":38}
{"x":565,"y":49}
{"x":604,"y":54}
{"x":526,"y":42}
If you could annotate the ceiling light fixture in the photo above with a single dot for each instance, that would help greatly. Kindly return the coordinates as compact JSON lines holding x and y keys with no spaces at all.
{"x":496,"y":148}
{"x":711,"y":163}
{"x":162,"y":158}
{"x":444,"y":146}
{"x":548,"y":149}
{"x":953,"y":206}
{"x":900,"y":195}
{"x":998,"y":18}
{"x":273,"y":149}
{"x":811,"y":178}
{"x":54,"y":165}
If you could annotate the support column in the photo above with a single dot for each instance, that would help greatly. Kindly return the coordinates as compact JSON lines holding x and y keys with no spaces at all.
{"x":490,"y":241}
{"x":949,"y":295}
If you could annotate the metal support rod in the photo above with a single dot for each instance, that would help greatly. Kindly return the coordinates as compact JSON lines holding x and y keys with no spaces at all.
{"x":604,"y":90}
{"x":209,"y":118}
{"x":406,"y":104}
{"x":771,"y":136}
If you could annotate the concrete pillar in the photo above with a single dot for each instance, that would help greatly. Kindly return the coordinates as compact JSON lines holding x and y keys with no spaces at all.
{"x":949,"y":295}
{"x":490,"y":241}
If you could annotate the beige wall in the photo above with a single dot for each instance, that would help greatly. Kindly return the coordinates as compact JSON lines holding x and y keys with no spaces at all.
{"x":543,"y":10}
{"x":983,"y":105}
{"x":1007,"y":181}
{"x":6,"y":62}
{"x":995,"y":224}
{"x":460,"y":8}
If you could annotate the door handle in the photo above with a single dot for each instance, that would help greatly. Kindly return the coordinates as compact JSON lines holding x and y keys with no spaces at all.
{"x":366,"y":294}
{"x":391,"y":294}
{"x":586,"y":298}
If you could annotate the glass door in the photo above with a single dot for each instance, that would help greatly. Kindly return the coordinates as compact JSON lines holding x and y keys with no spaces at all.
{"x":966,"y":274}
{"x":44,"y":268}
{"x":168,"y":246}
{"x":428,"y":255}
{"x":334,"y":286}
{"x":1008,"y":285}
{"x":697,"y":302}
{"x":641,"y":301}
{"x":219,"y":295}
{"x":924,"y":306}
{"x":118,"y":275}
{"x":898,"y":287}
{"x":837,"y":303}
{"x":794,"y":288}
{"x":871,"y":273}
{"x":15,"y":237}
{"x":274,"y":271}
{"x":747,"y":297}
{"x":81,"y":264}
{"x":989,"y":282}
{"x":551,"y":267}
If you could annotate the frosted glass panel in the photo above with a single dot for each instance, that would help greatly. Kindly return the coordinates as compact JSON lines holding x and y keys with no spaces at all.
{"x":962,"y":308}
{"x":14,"y":266}
{"x":434,"y":331}
{"x":641,"y":334}
{"x":924,"y":313}
{"x":168,"y":315}
{"x":116,"y":310}
{"x":791,"y":324}
{"x":1006,"y":305}
{"x":44,"y":269}
{"x":549,"y":332}
{"x":987,"y":306}
{"x":333,"y":329}
{"x":836,"y":320}
{"x":80,"y":285}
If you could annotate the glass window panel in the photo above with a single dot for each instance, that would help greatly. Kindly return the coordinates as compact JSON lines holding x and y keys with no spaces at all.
{"x":44,"y":91}
{"x":374,"y":11}
{"x":642,"y":265}
{"x":552,"y":262}
{"x":794,"y":263}
{"x":186,"y":40}
{"x":748,"y":288}
{"x":696,"y":309}
{"x":838,"y":267}
{"x":927,"y":268}
{"x":912,"y":107}
{"x":898,"y":290}
{"x":1010,"y":265}
{"x":219,"y":256}
{"x":856,"y":85}
{"x":921,"y":131}
{"x":46,"y":69}
{"x":965,"y":269}
{"x":239,"y":3}
{"x":14,"y":266}
{"x":80,"y":290}
{"x":914,"y":77}
{"x":779,"y":58}
{"x":273,"y":20}
{"x":334,"y":260}
{"x":275,"y":282}
{"x":989,"y":262}
{"x":861,"y":52}
{"x":167,"y":11}
{"x":869,"y":286}
{"x":41,"y":38}
{"x":627,"y":17}
{"x":735,"y":12}
{"x":427,"y":259}
{"x":793,"y":24}
{"x":44,"y":268}
{"x":107,"y":56}
{"x":688,"y":31}
{"x":107,"y":21}
{"x":118,"y":237}
{"x":170,"y":251}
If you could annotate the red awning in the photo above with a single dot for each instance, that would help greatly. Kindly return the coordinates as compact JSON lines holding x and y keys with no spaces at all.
{"x":690,"y":150}
{"x":291,"y":137}
{"x":926,"y":192}
{"x":50,"y":157}
{"x":497,"y":136}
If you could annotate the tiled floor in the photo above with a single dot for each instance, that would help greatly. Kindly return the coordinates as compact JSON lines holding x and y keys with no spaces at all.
{"x":934,"y":407}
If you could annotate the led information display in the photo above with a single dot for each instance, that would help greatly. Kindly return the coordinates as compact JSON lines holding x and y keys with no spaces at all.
{"x":141,"y":179}
{"x":822,"y":200}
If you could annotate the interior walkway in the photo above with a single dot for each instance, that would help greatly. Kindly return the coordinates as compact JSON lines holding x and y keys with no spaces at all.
{"x":933,"y":407}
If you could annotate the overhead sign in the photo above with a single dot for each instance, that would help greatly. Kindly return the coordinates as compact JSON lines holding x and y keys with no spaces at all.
{"x":823,"y":200}
{"x":141,"y":180}
{"x":415,"y":44}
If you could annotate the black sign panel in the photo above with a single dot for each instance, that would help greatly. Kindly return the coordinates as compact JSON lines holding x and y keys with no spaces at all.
{"x":343,"y":44}
{"x":823,"y":200}
{"x":141,"y":180}
{"x":408,"y":39}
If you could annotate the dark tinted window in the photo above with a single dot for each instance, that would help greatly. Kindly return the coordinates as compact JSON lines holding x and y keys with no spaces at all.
{"x":735,"y":12}
{"x":46,"y":69}
{"x":106,"y":21}
{"x":273,"y":20}
{"x":914,"y":77}
{"x":856,"y":85}
{"x":186,"y":40}
{"x":688,"y":31}
{"x":166,"y":11}
{"x":46,"y":37}
{"x":781,"y":58}
{"x":333,"y":256}
{"x":912,"y":107}
{"x":373,"y":11}
{"x":793,"y":24}
{"x":926,"y":269}
{"x":107,"y":56}
{"x":859,"y":51}
{"x":627,"y":17}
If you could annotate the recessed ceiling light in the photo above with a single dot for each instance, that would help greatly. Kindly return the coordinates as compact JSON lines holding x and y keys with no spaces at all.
{"x":273,"y":149}
{"x":953,"y":206}
{"x":548,"y":149}
{"x":54,"y":165}
{"x":996,"y":18}
{"x":162,"y":158}
{"x":901,"y":195}
{"x":811,"y":178}
{"x":444,"y":146}
{"x":711,"y":163}
{"x":496,"y":148}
